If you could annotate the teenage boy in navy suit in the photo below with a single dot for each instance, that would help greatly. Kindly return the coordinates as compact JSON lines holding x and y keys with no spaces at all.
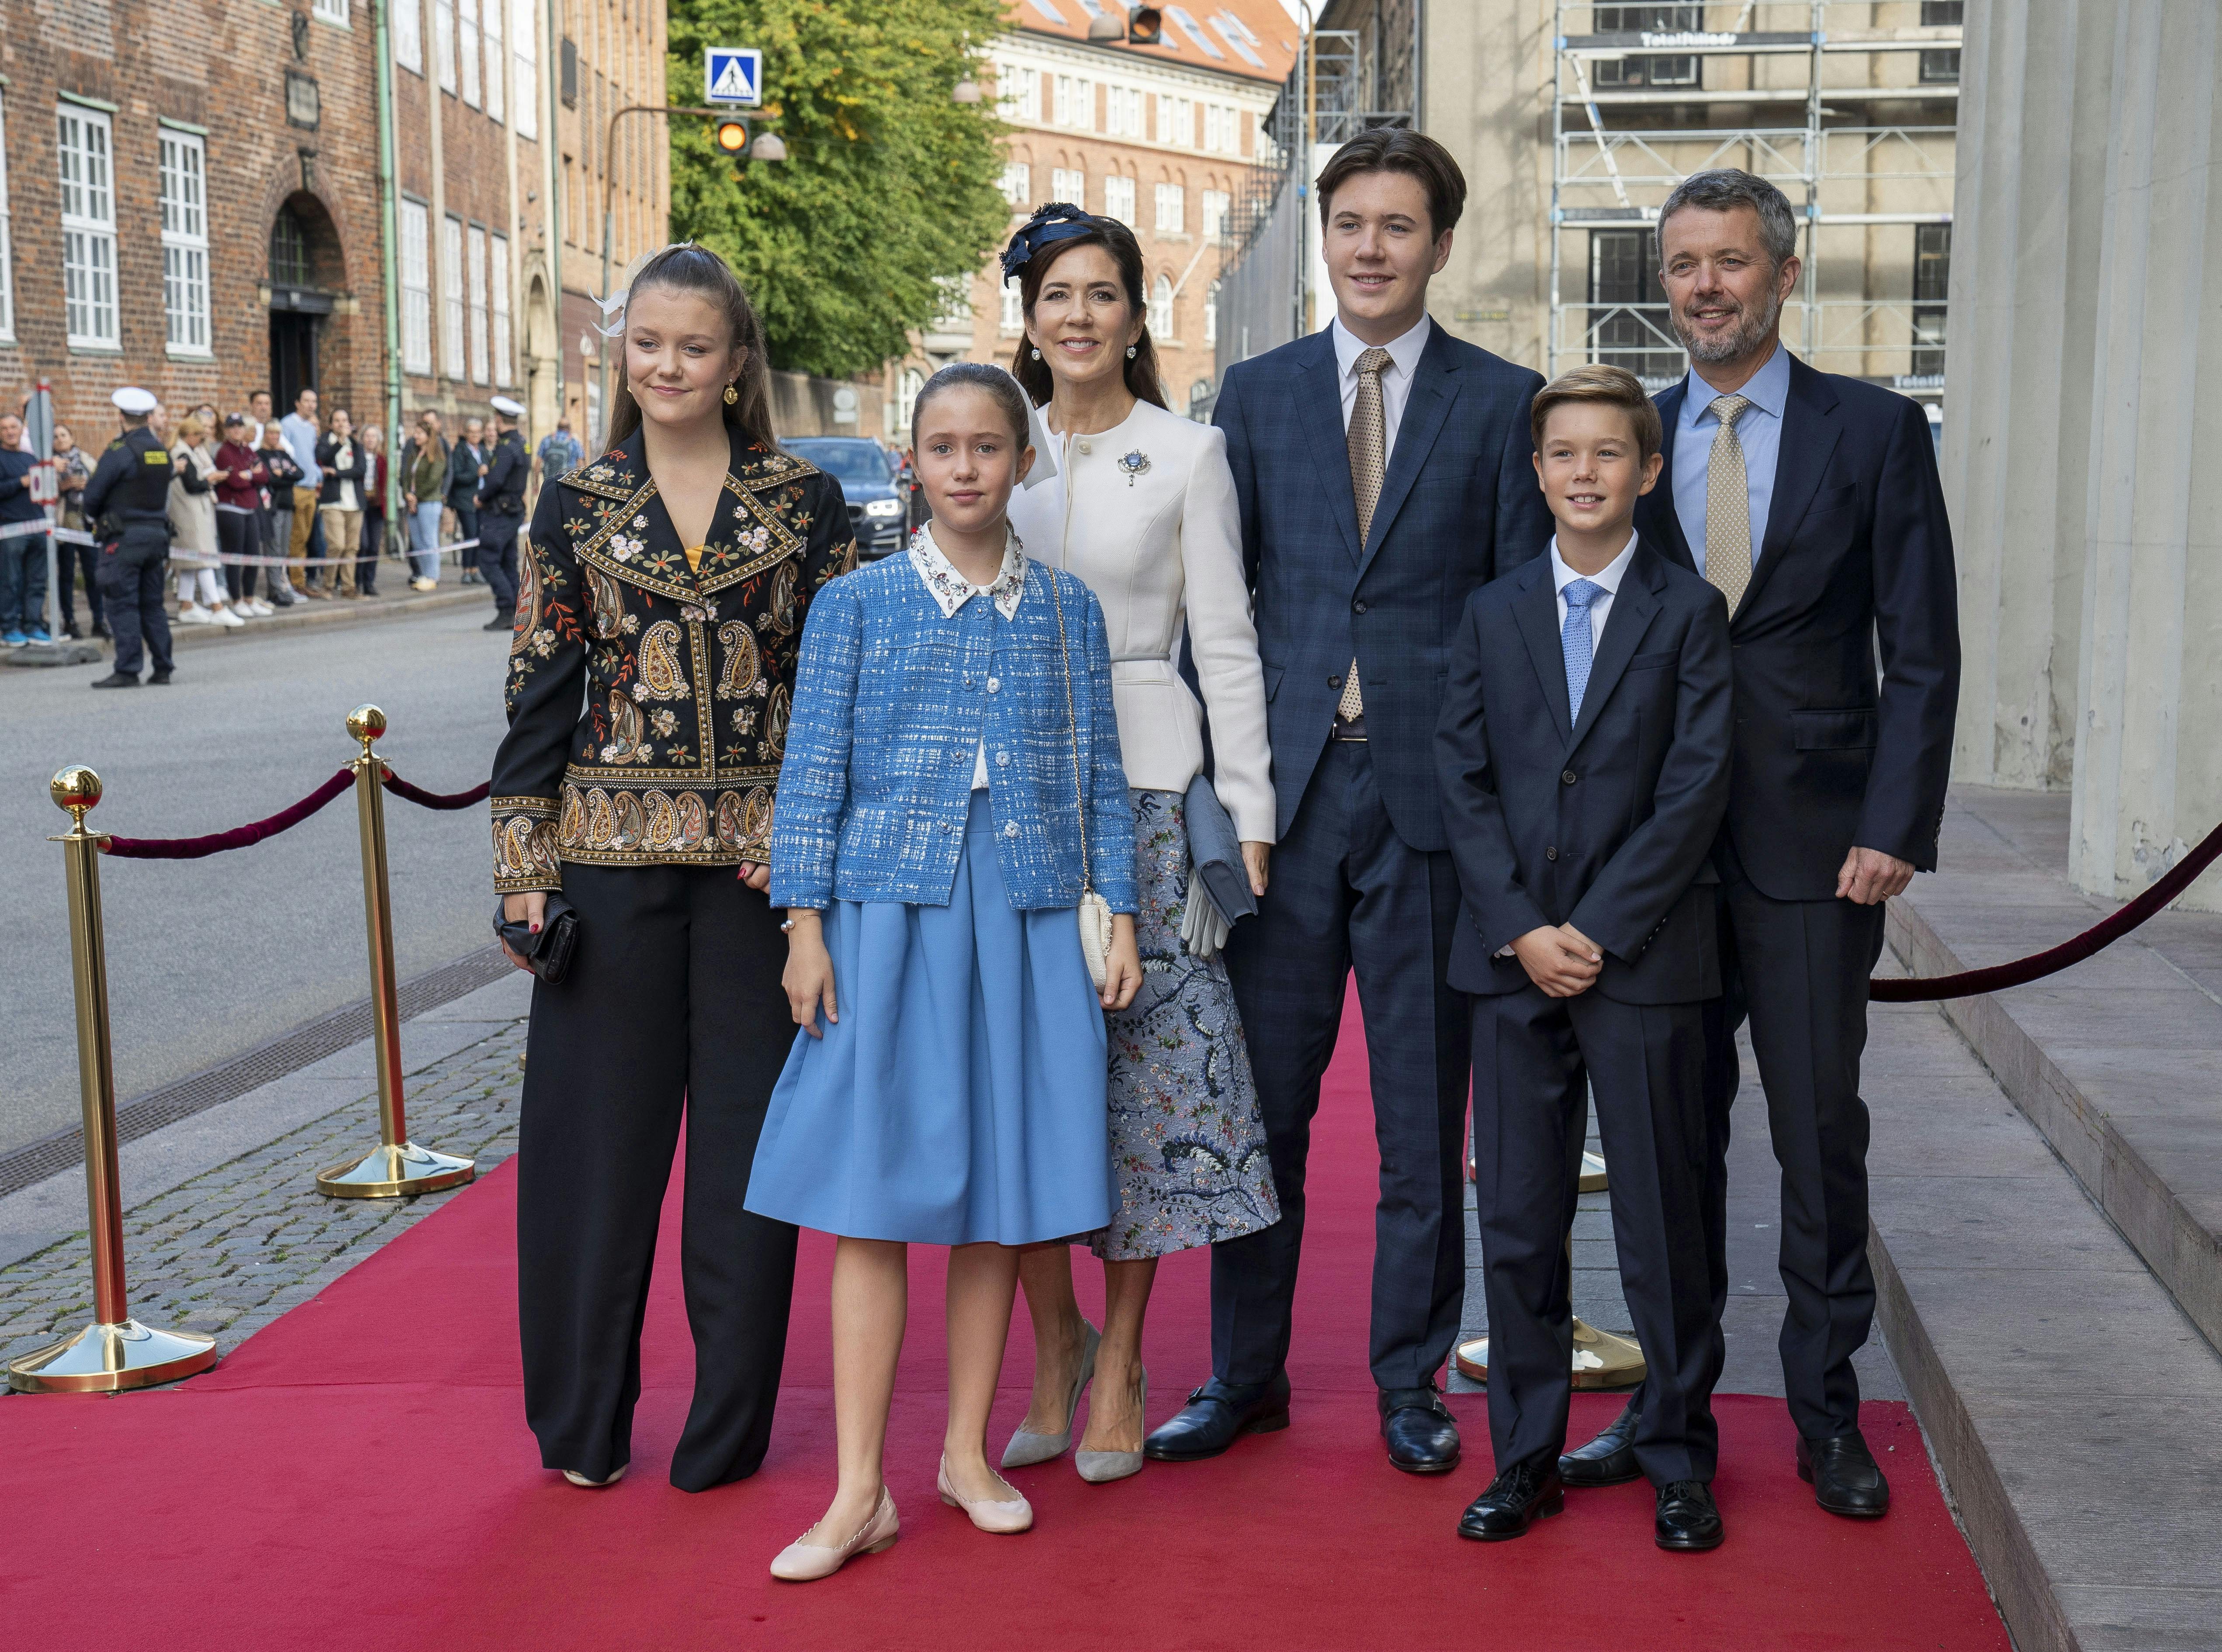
{"x":1583,"y":759}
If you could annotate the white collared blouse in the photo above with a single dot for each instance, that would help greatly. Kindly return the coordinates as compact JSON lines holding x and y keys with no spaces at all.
{"x":1145,"y":514}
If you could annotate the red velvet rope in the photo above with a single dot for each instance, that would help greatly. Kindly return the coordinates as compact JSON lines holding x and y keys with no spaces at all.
{"x":401,"y":788}
{"x":2101,"y":936}
{"x":191,"y":848}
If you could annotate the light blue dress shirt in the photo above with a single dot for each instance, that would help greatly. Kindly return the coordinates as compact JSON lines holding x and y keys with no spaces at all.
{"x":1760,"y":431}
{"x":301,"y":442}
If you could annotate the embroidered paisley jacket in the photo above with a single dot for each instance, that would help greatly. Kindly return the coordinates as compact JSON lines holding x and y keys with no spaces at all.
{"x":648,"y":700}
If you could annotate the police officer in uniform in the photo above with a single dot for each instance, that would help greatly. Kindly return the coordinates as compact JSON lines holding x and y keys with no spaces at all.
{"x":127,"y":500}
{"x":501,"y":510}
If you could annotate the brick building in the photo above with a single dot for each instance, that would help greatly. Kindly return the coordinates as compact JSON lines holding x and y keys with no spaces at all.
{"x":192,"y":197}
{"x":1157,"y":136}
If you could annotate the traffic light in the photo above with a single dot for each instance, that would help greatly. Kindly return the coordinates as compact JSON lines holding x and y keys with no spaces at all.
{"x":1145,"y":26}
{"x":733,"y":137}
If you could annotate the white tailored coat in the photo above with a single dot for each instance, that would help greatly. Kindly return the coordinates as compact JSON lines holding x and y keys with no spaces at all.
{"x":1159,"y":542}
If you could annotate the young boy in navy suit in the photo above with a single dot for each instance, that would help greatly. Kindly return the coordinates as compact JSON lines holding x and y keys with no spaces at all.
{"x":1584,"y":759}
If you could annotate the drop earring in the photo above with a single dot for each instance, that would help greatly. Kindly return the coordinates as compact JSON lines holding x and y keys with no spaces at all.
{"x":1036,"y":354}
{"x":1130,"y":352}
{"x":732,"y":394}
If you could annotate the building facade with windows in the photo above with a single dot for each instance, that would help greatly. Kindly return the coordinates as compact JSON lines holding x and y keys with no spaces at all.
{"x":1156,"y":137}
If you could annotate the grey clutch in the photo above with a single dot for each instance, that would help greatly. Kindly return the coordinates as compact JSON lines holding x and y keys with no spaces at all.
{"x":1216,"y":872}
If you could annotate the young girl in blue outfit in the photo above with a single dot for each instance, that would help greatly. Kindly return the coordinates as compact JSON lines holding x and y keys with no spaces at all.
{"x":953,"y":787}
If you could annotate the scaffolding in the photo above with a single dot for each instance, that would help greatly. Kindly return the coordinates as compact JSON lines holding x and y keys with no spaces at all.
{"x":1632,"y":117}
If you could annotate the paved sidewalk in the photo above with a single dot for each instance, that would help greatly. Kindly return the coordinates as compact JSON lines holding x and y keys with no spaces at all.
{"x":232,"y":1247}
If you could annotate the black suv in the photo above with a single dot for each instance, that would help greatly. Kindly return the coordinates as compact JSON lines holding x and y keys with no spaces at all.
{"x":878,"y":494}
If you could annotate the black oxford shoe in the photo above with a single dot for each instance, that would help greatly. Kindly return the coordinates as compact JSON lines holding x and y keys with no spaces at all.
{"x":1844,"y":1476}
{"x":1522,"y":1494}
{"x":1609,"y":1460}
{"x":1687,"y":1519}
{"x":1217,"y":1414}
{"x":1422,"y":1434}
{"x":116,"y":679}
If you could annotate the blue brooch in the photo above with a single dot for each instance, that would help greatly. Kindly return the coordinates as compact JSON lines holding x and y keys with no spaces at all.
{"x":1134,"y":464}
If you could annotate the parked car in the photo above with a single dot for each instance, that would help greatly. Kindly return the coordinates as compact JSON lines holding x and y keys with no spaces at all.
{"x":872,"y":483}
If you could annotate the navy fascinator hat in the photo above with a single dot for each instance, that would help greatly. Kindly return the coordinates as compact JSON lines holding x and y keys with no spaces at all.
{"x":1059,"y":220}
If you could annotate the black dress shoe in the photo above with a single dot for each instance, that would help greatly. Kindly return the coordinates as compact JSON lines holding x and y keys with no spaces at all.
{"x":116,"y":679}
{"x":1522,"y":1494}
{"x":498,"y":624}
{"x":159,"y":677}
{"x":1686,"y":1518}
{"x":1844,"y":1476}
{"x":1218,"y":1414}
{"x":1609,"y":1460}
{"x":1422,"y":1434}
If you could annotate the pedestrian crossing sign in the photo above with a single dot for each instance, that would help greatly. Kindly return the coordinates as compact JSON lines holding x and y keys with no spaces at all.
{"x":732,"y":74}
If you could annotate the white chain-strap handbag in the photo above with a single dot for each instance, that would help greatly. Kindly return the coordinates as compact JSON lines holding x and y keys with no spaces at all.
{"x":1094,"y":910}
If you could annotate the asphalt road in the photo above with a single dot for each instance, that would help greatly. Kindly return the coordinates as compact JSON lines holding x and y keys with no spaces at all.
{"x":209,"y":957}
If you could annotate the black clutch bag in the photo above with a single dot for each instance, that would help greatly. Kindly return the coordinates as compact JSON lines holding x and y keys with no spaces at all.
{"x":547,"y":954}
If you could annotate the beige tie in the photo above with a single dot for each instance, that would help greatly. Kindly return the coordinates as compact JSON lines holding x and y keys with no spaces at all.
{"x":1728,"y":506}
{"x":1369,"y":456}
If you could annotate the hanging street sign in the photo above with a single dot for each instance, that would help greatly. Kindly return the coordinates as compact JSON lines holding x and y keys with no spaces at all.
{"x":732,"y":74}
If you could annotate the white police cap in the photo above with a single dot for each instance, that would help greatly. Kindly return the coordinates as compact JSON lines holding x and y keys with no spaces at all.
{"x":133,"y":400}
{"x":508,"y":407}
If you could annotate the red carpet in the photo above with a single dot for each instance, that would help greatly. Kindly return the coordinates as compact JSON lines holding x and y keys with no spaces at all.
{"x":359,"y":1475}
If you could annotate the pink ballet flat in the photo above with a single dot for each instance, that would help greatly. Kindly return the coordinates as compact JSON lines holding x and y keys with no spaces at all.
{"x":802,"y":1561}
{"x":1003,"y":1518}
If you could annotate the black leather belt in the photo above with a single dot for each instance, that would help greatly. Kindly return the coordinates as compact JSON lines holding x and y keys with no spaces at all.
{"x":1353,"y":730}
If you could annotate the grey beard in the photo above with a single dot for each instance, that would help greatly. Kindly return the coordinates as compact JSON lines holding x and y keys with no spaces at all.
{"x":1743,"y":341}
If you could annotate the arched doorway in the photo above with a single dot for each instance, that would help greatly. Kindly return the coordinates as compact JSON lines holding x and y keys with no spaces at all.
{"x":544,"y":359}
{"x":305,"y":272}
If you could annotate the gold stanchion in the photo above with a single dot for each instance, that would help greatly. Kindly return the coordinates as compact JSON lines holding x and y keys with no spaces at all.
{"x":115,"y":1352}
{"x":396,"y":1166}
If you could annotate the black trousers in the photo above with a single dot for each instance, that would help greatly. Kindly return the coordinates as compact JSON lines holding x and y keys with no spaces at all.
{"x":1346,"y":893}
{"x":671,"y":1003}
{"x":238,"y":533}
{"x":1537,"y":1061}
{"x":497,"y":558}
{"x":1799,"y":969}
{"x":372,"y":546}
{"x":131,"y":580}
{"x":69,"y":561}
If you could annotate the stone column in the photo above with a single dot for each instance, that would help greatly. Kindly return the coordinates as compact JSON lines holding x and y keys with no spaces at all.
{"x":2148,"y":761}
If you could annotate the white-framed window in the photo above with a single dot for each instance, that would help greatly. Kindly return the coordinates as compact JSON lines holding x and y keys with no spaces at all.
{"x":954,"y":312}
{"x":1161,"y":307}
{"x":1069,"y":184}
{"x":1119,"y":199}
{"x":1216,"y":205}
{"x":496,"y":62}
{"x":1014,"y":319}
{"x":1175,"y":120}
{"x":184,"y":193}
{"x":1211,"y":315}
{"x":1072,"y":102}
{"x":409,"y":34}
{"x":1018,"y":183}
{"x":451,"y":297}
{"x":333,"y":11}
{"x":525,"y":43}
{"x":1222,"y":128}
{"x":1172,"y":209}
{"x":1123,"y":111}
{"x":1018,"y":90}
{"x":909,"y":383}
{"x":443,"y":42}
{"x":7,"y":254}
{"x":84,"y":154}
{"x":478,"y":276}
{"x":416,"y":287}
{"x":467,"y":49}
{"x":499,"y":252}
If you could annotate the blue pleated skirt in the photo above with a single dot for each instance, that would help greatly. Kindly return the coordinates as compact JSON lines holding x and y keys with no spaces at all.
{"x":960,"y":1098}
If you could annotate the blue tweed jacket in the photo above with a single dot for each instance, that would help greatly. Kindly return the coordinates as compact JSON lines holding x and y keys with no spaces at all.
{"x":891,"y":703}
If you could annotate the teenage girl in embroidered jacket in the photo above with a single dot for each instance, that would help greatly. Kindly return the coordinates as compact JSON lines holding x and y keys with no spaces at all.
{"x":946,"y":779}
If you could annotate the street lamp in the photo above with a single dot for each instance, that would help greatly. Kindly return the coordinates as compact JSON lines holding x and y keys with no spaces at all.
{"x":966,"y":90}
{"x":768,"y":145}
{"x":1140,"y":26}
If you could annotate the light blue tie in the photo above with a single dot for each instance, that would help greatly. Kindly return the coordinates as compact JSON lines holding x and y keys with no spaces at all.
{"x":1576,"y":642}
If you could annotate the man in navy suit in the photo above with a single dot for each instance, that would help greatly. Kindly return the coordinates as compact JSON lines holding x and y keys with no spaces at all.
{"x":1813,"y":503}
{"x":1383,"y":472}
{"x":1584,"y":751}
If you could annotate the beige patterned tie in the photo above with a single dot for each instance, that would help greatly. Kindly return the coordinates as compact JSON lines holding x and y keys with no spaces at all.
{"x":1727,"y":505}
{"x":1368,"y":439}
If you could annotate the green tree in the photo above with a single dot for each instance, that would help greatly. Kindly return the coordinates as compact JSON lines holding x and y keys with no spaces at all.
{"x":889,"y":185}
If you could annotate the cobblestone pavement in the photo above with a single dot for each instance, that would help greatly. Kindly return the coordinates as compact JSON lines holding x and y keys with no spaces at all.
{"x":228,"y":1252}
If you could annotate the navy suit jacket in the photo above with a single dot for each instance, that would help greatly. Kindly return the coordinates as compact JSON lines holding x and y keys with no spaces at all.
{"x":1858,"y":553}
{"x":1606,"y":823}
{"x":1459,"y":505}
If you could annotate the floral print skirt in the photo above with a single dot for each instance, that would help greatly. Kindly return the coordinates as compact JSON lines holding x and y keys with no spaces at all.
{"x":1188,"y":1148}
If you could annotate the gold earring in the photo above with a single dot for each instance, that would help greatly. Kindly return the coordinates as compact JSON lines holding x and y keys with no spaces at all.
{"x":732,"y":394}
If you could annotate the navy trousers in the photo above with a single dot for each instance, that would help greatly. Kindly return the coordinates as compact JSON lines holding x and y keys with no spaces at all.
{"x":1348,"y":895}
{"x":131,"y":577}
{"x":497,"y":558}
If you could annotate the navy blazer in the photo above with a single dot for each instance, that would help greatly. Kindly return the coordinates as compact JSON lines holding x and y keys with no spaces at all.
{"x":1858,"y":552}
{"x":1606,"y":823}
{"x":1459,"y":505}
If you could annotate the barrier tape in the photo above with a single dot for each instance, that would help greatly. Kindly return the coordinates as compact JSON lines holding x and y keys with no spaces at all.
{"x":239,"y":837}
{"x":212,"y":559}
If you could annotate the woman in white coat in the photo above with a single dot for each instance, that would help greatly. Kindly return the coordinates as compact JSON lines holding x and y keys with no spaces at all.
{"x":1140,"y":503}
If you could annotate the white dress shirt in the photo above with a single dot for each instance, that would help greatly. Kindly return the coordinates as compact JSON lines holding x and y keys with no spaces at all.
{"x":1615,"y":571}
{"x":1395,"y":377}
